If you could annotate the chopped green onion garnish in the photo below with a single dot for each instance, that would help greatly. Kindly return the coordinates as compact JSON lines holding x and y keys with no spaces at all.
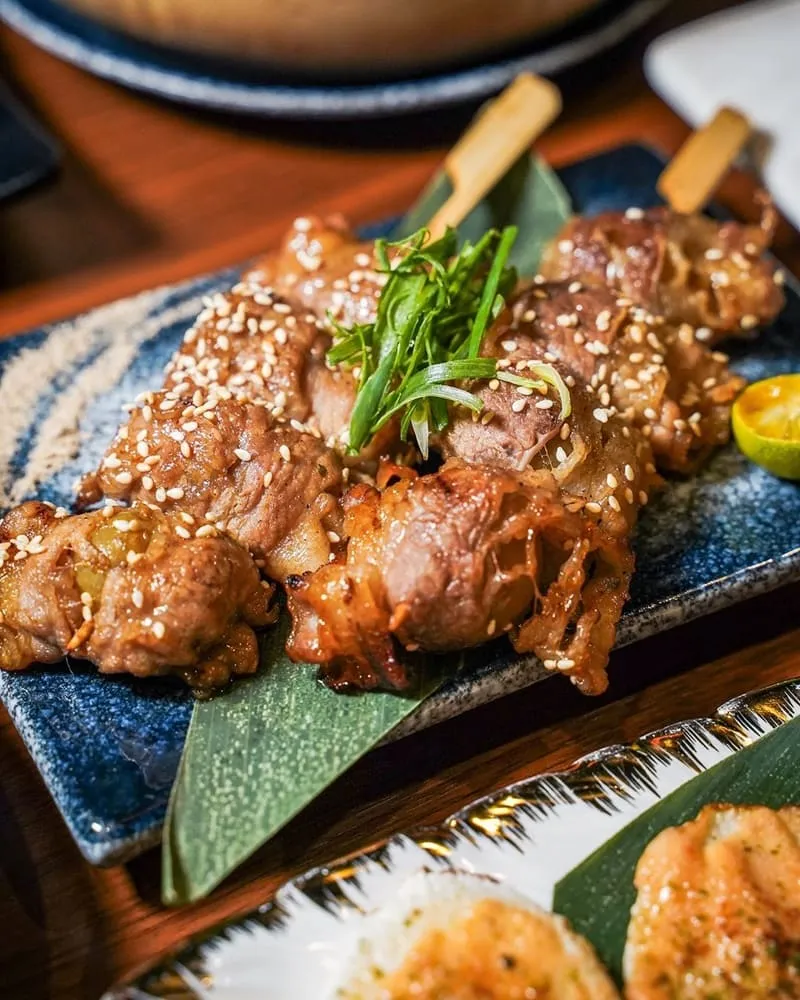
{"x":433,"y":314}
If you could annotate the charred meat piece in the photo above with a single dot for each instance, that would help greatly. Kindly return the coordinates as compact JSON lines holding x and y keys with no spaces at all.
{"x":324,"y":268}
{"x":132,"y":590}
{"x":261,"y":347}
{"x":227,"y":462}
{"x":604,"y":468}
{"x":657,"y":377}
{"x":448,"y":560}
{"x":689,"y":268}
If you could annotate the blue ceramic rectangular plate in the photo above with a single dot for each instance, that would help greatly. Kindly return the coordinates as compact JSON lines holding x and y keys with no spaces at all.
{"x":108,"y":747}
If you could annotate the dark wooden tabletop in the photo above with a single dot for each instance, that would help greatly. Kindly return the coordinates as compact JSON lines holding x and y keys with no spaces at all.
{"x":150,"y":193}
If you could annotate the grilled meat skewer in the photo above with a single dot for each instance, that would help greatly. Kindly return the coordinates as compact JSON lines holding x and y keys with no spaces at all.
{"x":132,"y":590}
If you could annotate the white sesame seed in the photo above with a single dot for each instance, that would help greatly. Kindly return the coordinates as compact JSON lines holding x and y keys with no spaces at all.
{"x":147,"y":482}
{"x":137,"y":597}
{"x":242,"y":454}
{"x":333,"y":537}
{"x":603,"y":321}
{"x":529,"y":315}
{"x":161,"y":494}
{"x":713,"y":253}
{"x":749,"y":321}
{"x":186,"y":451}
{"x":508,"y":345}
{"x":267,"y":479}
{"x":614,"y":504}
{"x":544,"y":404}
{"x":86,"y":612}
{"x":565,"y":432}
{"x":634,"y":213}
{"x":629,"y":494}
{"x":612,"y":481}
{"x":124,"y":478}
{"x":565,"y":663}
{"x":650,"y":413}
{"x":159,"y":630}
{"x":574,"y":287}
{"x":175,"y":493}
{"x":561,"y":455}
{"x":565,"y":246}
{"x":205,"y":531}
{"x":285,"y":453}
{"x":779,"y":277}
{"x":601,"y":415}
{"x":494,"y":384}
{"x":630,"y":475}
{"x":182,"y":532}
{"x":567,"y":320}
{"x":86,"y":597}
{"x":721,"y":278}
{"x":519,"y":405}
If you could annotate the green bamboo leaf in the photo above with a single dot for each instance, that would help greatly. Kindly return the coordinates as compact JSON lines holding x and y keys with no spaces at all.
{"x":596,"y":897}
{"x":257,"y":755}
{"x":530,"y":196}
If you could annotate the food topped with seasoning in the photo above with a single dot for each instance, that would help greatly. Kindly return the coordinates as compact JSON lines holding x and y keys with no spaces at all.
{"x":425,"y":451}
{"x":716,"y":915}
{"x":133,"y":590}
{"x":688,"y":268}
{"x":717,"y":912}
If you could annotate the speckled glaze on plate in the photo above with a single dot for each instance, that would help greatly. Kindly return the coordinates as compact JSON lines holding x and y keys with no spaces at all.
{"x":222,"y":87}
{"x":108,"y":747}
{"x":521,"y":839}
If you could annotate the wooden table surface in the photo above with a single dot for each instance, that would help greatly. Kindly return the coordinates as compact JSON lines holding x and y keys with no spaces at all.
{"x":149,"y":193}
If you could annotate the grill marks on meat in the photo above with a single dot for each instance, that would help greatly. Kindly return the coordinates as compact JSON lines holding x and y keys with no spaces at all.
{"x":448,"y":560}
{"x":227,"y":462}
{"x":129,"y":591}
{"x":657,"y":377}
{"x":689,"y":268}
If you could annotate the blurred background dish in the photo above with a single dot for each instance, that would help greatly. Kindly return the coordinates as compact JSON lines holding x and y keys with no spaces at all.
{"x":342,"y":37}
{"x":243,"y":86}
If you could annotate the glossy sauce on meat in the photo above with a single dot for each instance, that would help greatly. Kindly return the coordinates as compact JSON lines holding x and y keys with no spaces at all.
{"x":718,"y":909}
{"x":688,"y":268}
{"x":132,"y":590}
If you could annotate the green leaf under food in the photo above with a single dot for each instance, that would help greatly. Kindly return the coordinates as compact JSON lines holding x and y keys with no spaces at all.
{"x":257,"y":755}
{"x":596,"y":897}
{"x":530,"y":196}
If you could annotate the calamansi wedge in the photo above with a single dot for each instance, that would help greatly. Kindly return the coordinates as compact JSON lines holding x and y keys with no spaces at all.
{"x":766,"y":424}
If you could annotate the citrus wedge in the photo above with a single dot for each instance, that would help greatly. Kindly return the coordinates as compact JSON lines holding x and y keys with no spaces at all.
{"x":766,"y":424}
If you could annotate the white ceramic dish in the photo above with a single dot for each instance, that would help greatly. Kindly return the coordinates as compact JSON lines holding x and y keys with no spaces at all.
{"x":306,"y":943}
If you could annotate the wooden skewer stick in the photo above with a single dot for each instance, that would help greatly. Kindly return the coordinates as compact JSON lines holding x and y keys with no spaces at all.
{"x":493,"y":143}
{"x":696,"y":170}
